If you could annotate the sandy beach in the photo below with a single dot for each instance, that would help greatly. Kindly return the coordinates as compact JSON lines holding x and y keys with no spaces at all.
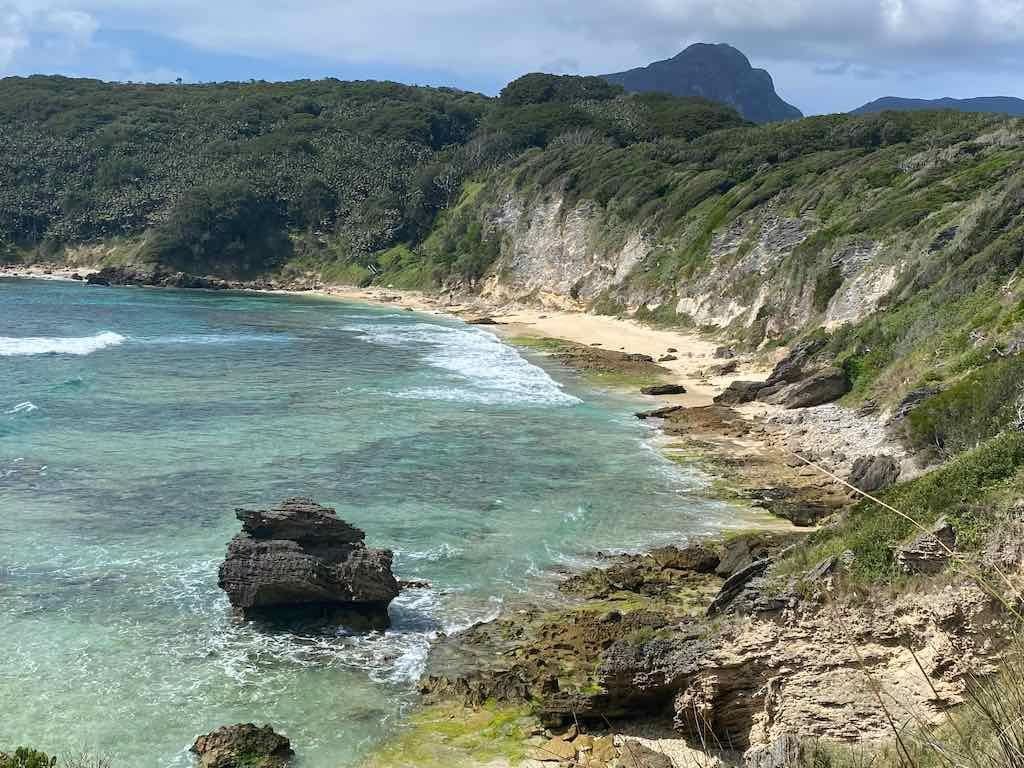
{"x":694,"y":353}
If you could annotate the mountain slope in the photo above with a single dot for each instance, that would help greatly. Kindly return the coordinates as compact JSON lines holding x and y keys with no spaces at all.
{"x":716,"y":72}
{"x":1004,"y":105}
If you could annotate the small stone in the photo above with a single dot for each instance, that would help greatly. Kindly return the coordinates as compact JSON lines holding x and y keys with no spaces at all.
{"x":584,"y":743}
{"x":570,"y":733}
{"x":604,"y":749}
{"x":557,"y":750}
{"x":929,"y":551}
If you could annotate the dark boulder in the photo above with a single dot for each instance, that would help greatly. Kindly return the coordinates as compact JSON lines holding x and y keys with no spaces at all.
{"x":299,"y":562}
{"x":740,"y":392}
{"x":791,"y":368}
{"x":874,"y":473}
{"x":724,"y":353}
{"x":482,"y":321}
{"x":242,"y":746}
{"x":694,"y":557}
{"x":735,"y":585}
{"x":929,"y":551}
{"x":822,"y":386}
{"x":664,"y":389}
{"x":722,"y":369}
{"x":76,"y":276}
{"x":660,"y":413}
{"x":97,"y":279}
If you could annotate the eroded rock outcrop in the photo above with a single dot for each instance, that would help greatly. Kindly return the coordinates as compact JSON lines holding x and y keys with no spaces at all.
{"x":243,"y":746}
{"x":299,"y":561}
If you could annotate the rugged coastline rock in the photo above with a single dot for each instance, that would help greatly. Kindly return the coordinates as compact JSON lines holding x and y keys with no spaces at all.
{"x":874,"y":473}
{"x":300,"y":562}
{"x":660,"y":390}
{"x":242,"y":746}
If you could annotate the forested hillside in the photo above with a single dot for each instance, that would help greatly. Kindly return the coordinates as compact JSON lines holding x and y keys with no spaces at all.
{"x":216,"y":177}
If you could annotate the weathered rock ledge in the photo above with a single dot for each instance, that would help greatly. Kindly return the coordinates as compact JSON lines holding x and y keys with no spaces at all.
{"x":784,"y":663}
{"x":299,"y":562}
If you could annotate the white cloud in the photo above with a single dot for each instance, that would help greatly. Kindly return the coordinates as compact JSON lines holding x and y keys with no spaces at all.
{"x":836,"y":44}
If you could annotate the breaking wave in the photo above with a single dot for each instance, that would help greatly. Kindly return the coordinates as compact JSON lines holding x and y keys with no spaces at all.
{"x":57,"y":345}
{"x":485,"y":370}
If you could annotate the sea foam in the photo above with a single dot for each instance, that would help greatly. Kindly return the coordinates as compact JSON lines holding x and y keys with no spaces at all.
{"x":57,"y":345}
{"x":484,"y":369}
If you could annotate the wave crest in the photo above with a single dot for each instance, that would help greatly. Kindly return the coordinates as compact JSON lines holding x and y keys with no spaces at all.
{"x":481,"y":368}
{"x":57,"y":345}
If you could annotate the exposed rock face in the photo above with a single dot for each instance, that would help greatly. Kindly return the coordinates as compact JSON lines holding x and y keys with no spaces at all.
{"x":735,"y":584}
{"x":299,"y":560}
{"x":243,"y":746}
{"x":929,"y":551}
{"x":790,"y":369}
{"x":874,"y":473}
{"x":740,"y":392}
{"x":822,"y":386}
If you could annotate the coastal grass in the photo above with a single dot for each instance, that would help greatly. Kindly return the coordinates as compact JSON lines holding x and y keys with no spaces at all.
{"x":971,"y":491}
{"x":25,"y":757}
{"x":450,"y":735}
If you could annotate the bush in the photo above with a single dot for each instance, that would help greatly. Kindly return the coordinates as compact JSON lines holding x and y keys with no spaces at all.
{"x":979,"y":406}
{"x":23,"y":757}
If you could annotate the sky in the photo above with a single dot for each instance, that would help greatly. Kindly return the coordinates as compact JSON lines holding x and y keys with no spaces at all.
{"x":825,"y":55}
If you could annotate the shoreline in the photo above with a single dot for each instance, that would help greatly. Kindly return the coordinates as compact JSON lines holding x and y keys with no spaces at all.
{"x":693,"y":353}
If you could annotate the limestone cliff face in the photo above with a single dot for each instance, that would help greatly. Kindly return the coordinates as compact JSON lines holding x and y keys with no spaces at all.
{"x":552,"y":255}
{"x":564,"y":255}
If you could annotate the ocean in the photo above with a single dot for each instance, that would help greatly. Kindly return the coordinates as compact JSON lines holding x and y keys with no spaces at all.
{"x":133,"y":422}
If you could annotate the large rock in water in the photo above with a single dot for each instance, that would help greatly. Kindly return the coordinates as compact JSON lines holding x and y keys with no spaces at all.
{"x":300,"y":562}
{"x":242,"y":746}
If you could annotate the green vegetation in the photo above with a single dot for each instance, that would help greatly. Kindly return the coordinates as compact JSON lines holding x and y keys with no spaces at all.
{"x":446,"y":736}
{"x":216,"y":177}
{"x":972,"y":491}
{"x":26,"y":758}
{"x":977,"y":407}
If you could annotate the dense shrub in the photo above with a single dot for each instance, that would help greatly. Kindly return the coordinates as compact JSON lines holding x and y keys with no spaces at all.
{"x":974,"y":409}
{"x":24,"y":757}
{"x":227,"y":228}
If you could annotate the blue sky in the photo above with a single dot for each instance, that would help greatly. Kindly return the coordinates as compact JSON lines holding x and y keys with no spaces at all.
{"x":829,"y":55}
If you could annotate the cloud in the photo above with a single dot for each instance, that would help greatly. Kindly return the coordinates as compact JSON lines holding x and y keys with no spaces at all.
{"x":881,"y":43}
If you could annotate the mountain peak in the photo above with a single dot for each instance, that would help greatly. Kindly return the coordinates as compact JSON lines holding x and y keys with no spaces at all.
{"x":715,"y":71}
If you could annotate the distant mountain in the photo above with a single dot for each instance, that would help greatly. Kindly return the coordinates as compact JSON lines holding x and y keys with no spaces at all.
{"x":717,"y":72}
{"x":1005,"y":105}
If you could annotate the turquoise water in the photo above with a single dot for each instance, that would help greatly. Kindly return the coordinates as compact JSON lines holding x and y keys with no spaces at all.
{"x":133,"y":422}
